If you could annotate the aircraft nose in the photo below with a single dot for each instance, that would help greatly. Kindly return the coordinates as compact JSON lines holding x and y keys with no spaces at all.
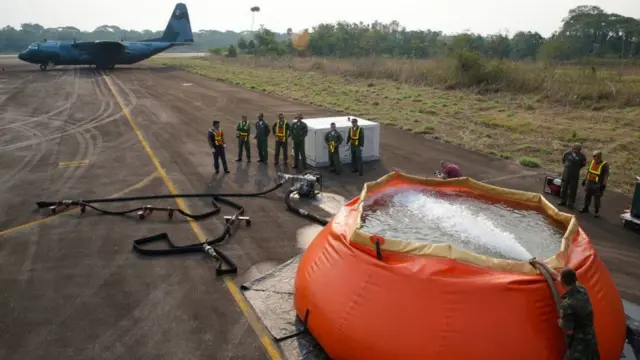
{"x":21,"y":56}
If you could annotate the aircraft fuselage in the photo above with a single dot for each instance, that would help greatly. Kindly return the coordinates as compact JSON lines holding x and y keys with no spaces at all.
{"x":91,"y":53}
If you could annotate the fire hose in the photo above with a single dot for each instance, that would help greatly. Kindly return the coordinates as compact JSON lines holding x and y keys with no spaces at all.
{"x":301,"y":212}
{"x":546,"y":273}
{"x":207,"y":246}
{"x":305,"y":186}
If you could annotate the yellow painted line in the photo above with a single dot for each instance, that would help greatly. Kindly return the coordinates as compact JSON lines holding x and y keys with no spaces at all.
{"x":244,"y":306}
{"x":49,"y":218}
{"x":73,"y":163}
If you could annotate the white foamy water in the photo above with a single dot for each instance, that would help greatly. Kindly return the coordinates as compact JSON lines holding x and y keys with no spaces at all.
{"x":478,"y":226}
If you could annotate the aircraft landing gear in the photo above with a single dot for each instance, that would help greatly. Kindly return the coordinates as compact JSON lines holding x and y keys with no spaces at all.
{"x":44,"y":66}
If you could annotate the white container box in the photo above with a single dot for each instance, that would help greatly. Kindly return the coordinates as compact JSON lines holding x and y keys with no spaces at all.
{"x":318,"y":152}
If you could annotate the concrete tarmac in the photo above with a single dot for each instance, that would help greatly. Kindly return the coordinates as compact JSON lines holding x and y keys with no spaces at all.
{"x":72,"y":287}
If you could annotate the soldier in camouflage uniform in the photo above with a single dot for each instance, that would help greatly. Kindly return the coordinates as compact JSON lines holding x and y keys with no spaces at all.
{"x":576,"y":319}
{"x":334,"y":139}
{"x":298,"y":133}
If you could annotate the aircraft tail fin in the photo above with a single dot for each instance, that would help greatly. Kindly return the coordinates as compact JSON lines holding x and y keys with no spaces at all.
{"x":178,"y":29}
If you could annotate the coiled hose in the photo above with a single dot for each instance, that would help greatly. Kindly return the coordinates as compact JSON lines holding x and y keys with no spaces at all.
{"x":301,"y":212}
{"x":171,"y":249}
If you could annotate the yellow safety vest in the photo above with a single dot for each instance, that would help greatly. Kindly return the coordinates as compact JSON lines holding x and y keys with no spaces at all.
{"x":245,"y":133}
{"x":593,"y":173}
{"x":354,"y":136}
{"x":280,"y":131}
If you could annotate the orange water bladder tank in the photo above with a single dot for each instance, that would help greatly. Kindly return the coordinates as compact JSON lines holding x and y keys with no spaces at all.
{"x":435,"y":301}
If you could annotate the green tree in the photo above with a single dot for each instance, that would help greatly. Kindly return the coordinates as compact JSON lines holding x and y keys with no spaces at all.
{"x":586,"y":31}
{"x":232,"y":51}
{"x":242,"y":44}
{"x":251,"y":47}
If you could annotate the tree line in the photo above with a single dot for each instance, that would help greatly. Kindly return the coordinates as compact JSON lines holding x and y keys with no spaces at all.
{"x":14,"y":40}
{"x":587,"y":31}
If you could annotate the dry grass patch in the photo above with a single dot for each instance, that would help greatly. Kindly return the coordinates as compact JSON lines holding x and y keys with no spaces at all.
{"x":511,"y":125}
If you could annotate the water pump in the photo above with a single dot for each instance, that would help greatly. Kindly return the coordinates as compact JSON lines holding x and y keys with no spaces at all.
{"x":307,"y":184}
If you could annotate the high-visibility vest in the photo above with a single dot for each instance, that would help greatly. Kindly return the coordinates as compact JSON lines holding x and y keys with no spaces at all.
{"x":244,"y":133}
{"x":218,"y":138}
{"x":281,"y":131}
{"x":593,"y":173}
{"x":244,"y":127}
{"x":354,"y":135}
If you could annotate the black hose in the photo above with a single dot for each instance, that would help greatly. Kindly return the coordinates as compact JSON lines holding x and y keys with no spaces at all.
{"x":542,"y":268}
{"x":43,"y":204}
{"x":301,"y":212}
{"x":149,"y":209}
{"x":207,"y":245}
{"x":143,"y":210}
{"x":547,"y":276}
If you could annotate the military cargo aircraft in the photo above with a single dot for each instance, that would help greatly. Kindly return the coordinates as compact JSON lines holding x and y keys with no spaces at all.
{"x":105,"y":54}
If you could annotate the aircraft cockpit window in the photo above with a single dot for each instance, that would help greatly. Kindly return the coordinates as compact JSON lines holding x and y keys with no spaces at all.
{"x":33,"y":46}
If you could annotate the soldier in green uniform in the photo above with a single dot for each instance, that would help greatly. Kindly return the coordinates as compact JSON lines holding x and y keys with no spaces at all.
{"x":262,"y":137}
{"x":298,"y":133}
{"x":356,"y":140}
{"x":576,"y":319}
{"x":573,"y":160}
{"x":334,"y":139}
{"x":243,"y":131}
{"x":281,"y":131}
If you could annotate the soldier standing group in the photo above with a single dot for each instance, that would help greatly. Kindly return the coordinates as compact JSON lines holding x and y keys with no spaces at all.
{"x":594,"y":183}
{"x":283,"y":131}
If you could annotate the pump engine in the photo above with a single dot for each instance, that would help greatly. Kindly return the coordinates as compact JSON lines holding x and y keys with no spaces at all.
{"x":307,"y":184}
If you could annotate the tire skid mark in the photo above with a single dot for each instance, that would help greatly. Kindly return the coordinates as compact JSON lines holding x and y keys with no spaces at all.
{"x":30,"y":160}
{"x":87,"y":125}
{"x":13,"y":90}
{"x":86,"y":146}
{"x":114,"y":343}
{"x":36,"y":339}
{"x":46,"y":116}
{"x":63,"y":108}
{"x":72,"y":99}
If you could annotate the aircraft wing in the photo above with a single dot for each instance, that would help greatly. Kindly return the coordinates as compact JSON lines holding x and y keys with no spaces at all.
{"x":101,"y":47}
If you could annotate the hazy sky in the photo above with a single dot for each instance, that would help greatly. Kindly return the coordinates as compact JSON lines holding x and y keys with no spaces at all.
{"x":450,"y":16}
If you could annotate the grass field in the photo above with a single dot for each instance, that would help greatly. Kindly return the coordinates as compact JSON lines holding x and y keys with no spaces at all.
{"x":527,"y":123}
